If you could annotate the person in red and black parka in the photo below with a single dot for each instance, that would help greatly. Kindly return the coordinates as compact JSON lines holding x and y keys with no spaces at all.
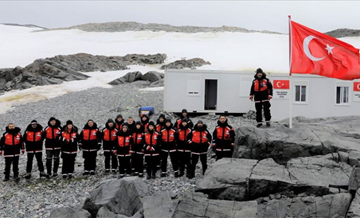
{"x":131,"y":124}
{"x":89,"y":143}
{"x":199,"y":140}
{"x":52,"y":134}
{"x":223,"y":138}
{"x":184,"y":151}
{"x":119,"y":122}
{"x":109,"y":134}
{"x":152,"y":150}
{"x":145,"y":121}
{"x":11,"y":144}
{"x":168,"y":145}
{"x":137,"y":150}
{"x":69,"y":145}
{"x":160,"y":123}
{"x":122,"y":150}
{"x":184,"y":114}
{"x":33,"y":139}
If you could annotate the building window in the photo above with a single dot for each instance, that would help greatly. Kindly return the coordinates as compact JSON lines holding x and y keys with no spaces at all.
{"x":193,"y":85}
{"x":342,"y":95}
{"x":300,"y":93}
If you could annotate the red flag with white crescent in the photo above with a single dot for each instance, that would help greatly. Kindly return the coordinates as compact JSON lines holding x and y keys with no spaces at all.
{"x":313,"y":52}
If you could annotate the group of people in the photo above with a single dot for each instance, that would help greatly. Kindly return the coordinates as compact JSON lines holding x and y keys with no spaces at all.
{"x":125,"y":145}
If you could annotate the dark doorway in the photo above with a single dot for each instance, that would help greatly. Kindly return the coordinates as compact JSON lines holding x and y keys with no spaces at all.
{"x":210,"y":94}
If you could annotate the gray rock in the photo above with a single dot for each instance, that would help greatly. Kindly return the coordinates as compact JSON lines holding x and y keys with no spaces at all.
{"x":354,"y":182}
{"x":132,"y":76}
{"x":122,"y":196}
{"x":354,"y":158}
{"x":197,"y":205}
{"x":152,"y":76}
{"x":159,"y":83}
{"x":69,"y":212}
{"x":158,"y":205}
{"x":190,"y":63}
{"x":354,"y":210}
{"x":104,"y":212}
{"x":310,"y":206}
{"x":118,"y":81}
{"x":243,"y":179}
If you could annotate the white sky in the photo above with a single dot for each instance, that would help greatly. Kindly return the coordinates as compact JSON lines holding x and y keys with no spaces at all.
{"x":257,"y":15}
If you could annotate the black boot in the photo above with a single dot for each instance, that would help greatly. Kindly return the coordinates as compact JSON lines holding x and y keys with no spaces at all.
{"x":259,"y":125}
{"x":7,"y":178}
{"x":48,"y":166}
{"x":27,"y":176}
{"x":268,"y":123}
{"x":43,"y":174}
{"x":16,"y":178}
{"x":176,"y":174}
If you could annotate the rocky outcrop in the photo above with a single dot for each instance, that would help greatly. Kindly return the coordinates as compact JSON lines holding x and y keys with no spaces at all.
{"x":244,"y":179}
{"x":152,"y":76}
{"x":122,"y":196}
{"x":69,"y":212}
{"x":159,"y":204}
{"x":132,"y":76}
{"x":190,"y":63}
{"x":339,"y":33}
{"x":354,"y":210}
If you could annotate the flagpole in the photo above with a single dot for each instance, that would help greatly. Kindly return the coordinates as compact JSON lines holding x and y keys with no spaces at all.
{"x":290,"y":79}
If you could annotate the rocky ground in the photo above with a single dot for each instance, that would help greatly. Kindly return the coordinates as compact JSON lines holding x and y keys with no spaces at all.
{"x":38,"y":197}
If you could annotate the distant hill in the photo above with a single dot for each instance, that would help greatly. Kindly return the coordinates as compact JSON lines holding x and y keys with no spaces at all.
{"x":339,"y":33}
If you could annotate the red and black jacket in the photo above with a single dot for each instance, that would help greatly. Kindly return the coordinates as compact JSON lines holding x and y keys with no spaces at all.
{"x":138,"y":141}
{"x":124,"y":142}
{"x":223,"y":137}
{"x":261,"y":88}
{"x":199,"y":140}
{"x":108,"y":137}
{"x":52,"y":135}
{"x":152,"y":141}
{"x":90,"y":138}
{"x":179,"y":120}
{"x":33,"y":139}
{"x":145,"y":123}
{"x":119,"y":124}
{"x":160,"y":125}
{"x":12,"y":142}
{"x":168,"y":139}
{"x":182,"y":138}
{"x":69,"y":140}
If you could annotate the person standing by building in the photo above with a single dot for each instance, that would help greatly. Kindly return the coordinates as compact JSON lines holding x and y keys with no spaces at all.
{"x":33,"y":139}
{"x":108,"y":136}
{"x":52,"y":135}
{"x":184,"y":114}
{"x":184,"y":150}
{"x":89,"y":143}
{"x":199,"y":140}
{"x":151,"y":150}
{"x":124,"y":143}
{"x":168,"y":147}
{"x":137,"y":150}
{"x":11,"y":144}
{"x":261,"y":92}
{"x":223,"y":138}
{"x":69,"y":144}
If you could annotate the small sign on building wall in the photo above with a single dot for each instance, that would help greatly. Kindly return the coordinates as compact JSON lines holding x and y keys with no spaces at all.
{"x":356,"y":91}
{"x":281,"y":89}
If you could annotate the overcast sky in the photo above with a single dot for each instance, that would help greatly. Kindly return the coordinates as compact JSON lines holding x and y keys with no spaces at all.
{"x":258,"y":15}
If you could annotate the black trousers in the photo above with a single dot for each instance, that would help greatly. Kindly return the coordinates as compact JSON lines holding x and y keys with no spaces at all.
{"x":110,"y":156}
{"x":221,"y":154}
{"x":68,"y":163}
{"x":15,"y":162}
{"x":173,"y":158}
{"x":258,"y":107}
{"x":184,"y":161}
{"x":195,"y":159}
{"x":137,"y":161}
{"x":124,"y":165}
{"x":50,"y":156}
{"x":89,"y":160}
{"x":151,"y":164}
{"x":30,"y":157}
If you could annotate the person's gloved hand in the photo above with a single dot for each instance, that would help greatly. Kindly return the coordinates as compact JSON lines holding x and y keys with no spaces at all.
{"x":114,"y":151}
{"x":270,"y":97}
{"x":251,"y":97}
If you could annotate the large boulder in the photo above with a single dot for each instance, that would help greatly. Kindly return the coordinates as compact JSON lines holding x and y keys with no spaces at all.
{"x":197,"y":205}
{"x":190,"y":63}
{"x":132,"y":76}
{"x":152,"y":76}
{"x":122,"y":196}
{"x":354,"y":210}
{"x":159,"y":83}
{"x":245,"y":179}
{"x":69,"y":212}
{"x":104,"y":212}
{"x":308,"y":137}
{"x":306,"y":206}
{"x":118,"y":81}
{"x":159,"y":205}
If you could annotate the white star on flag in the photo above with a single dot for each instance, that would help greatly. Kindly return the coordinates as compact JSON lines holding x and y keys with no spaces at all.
{"x":329,"y":48}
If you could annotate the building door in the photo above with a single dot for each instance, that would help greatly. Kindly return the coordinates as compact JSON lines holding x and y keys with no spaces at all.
{"x":210,"y":94}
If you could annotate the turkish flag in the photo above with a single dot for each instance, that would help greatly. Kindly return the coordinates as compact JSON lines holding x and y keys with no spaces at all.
{"x":356,"y":86}
{"x":281,"y":84}
{"x":313,"y":52}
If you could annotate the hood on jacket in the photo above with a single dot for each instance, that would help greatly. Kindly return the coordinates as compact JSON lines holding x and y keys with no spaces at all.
{"x":110,"y":121}
{"x":222,"y":124}
{"x":74,"y":129}
{"x":141,"y":130}
{"x":88,"y":127}
{"x":13,"y":131}
{"x":259,"y":70}
{"x":38,"y":128}
{"x":204,"y":127}
{"x":122,"y":133}
{"x":158,"y":120}
{"x":147,"y":119}
{"x":57,"y":124}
